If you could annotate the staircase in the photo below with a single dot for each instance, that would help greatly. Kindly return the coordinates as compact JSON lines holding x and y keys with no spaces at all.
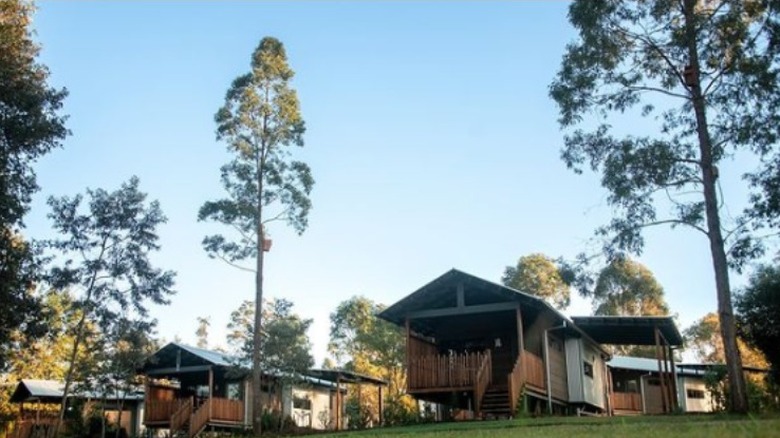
{"x":495,"y":403}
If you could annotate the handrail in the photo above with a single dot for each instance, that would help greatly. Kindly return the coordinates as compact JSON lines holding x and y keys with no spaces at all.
{"x":180,"y":416}
{"x":482,"y":380}
{"x":200,"y":418}
{"x":443,"y":370}
{"x":515,"y":383}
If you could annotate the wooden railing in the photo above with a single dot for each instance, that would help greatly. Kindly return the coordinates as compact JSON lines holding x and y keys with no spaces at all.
{"x":223,"y":409}
{"x":180,"y":416}
{"x":482,"y":380}
{"x":515,"y":383}
{"x":160,"y":410}
{"x":443,"y":371}
{"x":200,"y":418}
{"x":627,"y":401}
{"x":533,"y":370}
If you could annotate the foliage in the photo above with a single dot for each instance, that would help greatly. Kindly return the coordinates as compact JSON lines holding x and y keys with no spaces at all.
{"x":103,"y":257}
{"x":285,"y":343}
{"x":30,"y":126}
{"x":40,"y":357}
{"x":704,"y":76}
{"x":758,"y":309}
{"x":202,"y":332}
{"x":364,"y":343}
{"x":704,"y":339}
{"x":260,"y":122}
{"x":539,"y":275}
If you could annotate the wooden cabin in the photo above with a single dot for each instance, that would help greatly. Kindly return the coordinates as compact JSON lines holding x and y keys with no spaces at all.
{"x":483,"y":347}
{"x":190,"y":389}
{"x":39,"y":402}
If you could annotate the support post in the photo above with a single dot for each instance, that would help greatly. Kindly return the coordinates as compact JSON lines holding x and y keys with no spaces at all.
{"x":677,"y":396}
{"x":658,"y":354}
{"x":211,"y":389}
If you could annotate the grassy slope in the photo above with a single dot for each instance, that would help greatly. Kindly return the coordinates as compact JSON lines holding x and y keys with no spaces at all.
{"x":572,"y":427}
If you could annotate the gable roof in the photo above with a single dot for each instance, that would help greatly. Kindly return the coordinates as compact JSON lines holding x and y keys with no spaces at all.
{"x":175,"y":355}
{"x":629,"y":330}
{"x":51,"y":391}
{"x":434,"y":294}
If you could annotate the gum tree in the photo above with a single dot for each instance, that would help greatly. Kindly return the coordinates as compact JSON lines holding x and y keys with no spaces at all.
{"x":704,"y":75}
{"x":260,"y":123}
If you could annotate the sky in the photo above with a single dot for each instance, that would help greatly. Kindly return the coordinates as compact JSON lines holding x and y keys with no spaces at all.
{"x":430,"y":134}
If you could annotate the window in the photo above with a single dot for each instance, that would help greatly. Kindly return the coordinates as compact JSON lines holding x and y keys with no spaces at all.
{"x":233,"y":391}
{"x":302,"y":403}
{"x":654,"y":382}
{"x":587,"y":368}
{"x":695,"y":393}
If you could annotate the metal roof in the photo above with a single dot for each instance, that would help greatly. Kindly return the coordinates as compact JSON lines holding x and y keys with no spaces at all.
{"x":431,"y":294}
{"x":629,"y":330}
{"x":214,"y":357}
{"x":52,"y":391}
{"x":344,"y":376}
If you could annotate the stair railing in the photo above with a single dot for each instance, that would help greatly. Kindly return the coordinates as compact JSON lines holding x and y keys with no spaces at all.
{"x":482,"y":381}
{"x":515,"y":383}
{"x":200,"y":418}
{"x":180,"y":416}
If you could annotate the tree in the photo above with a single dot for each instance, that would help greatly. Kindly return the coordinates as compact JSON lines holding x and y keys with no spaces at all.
{"x":366,"y":344}
{"x":285,"y":341}
{"x":705,"y":73}
{"x":260,"y":122}
{"x":539,"y":275}
{"x":103,"y":257}
{"x":758,"y":310}
{"x":37,"y":357}
{"x":30,"y":126}
{"x":202,"y":333}
{"x":627,"y":288}
{"x":704,"y":339}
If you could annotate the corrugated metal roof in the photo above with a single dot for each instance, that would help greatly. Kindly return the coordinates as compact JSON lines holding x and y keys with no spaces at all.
{"x":215,"y":357}
{"x":33,"y":389}
{"x":645,"y":364}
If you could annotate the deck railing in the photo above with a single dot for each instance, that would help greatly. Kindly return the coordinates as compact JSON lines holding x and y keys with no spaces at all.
{"x":444,"y":371}
{"x":515,"y":383}
{"x":160,"y":410}
{"x":482,"y":380}
{"x":223,"y":409}
{"x":200,"y":418}
{"x":627,"y":401}
{"x":180,"y":416}
{"x":533,"y":370}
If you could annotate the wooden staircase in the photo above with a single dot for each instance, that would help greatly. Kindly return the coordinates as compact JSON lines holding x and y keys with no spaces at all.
{"x":495,"y":403}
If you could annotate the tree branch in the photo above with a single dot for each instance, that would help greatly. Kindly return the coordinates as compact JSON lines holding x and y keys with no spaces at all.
{"x":221,"y":257}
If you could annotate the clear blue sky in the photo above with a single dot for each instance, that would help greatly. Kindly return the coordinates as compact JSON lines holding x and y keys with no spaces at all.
{"x":430,"y":134}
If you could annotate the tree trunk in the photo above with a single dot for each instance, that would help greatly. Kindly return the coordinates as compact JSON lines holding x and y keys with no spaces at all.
{"x":71,"y":368}
{"x":737,"y":391}
{"x":257,"y":401}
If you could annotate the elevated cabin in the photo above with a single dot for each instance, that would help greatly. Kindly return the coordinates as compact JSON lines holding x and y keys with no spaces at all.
{"x":637,"y":381}
{"x":480,"y":346}
{"x":653,"y":385}
{"x":190,"y":389}
{"x":39,"y":402}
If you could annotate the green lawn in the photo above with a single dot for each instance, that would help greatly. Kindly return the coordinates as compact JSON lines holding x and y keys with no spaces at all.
{"x":708,"y":426}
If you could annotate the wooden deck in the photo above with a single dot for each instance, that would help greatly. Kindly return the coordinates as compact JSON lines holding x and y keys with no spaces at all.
{"x":182,"y":414}
{"x":627,"y":401}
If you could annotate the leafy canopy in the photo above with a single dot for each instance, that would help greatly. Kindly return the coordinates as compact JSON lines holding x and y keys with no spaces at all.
{"x":30,"y":126}
{"x":628,"y":62}
{"x":259,"y":122}
{"x":539,"y":275}
{"x":758,"y":310}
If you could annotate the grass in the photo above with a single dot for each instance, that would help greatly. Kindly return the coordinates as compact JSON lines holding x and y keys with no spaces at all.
{"x":705,"y":426}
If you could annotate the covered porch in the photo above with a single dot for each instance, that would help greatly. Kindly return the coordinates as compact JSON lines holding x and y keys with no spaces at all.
{"x":189,"y":389}
{"x":639,"y":388}
{"x":472,"y":344}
